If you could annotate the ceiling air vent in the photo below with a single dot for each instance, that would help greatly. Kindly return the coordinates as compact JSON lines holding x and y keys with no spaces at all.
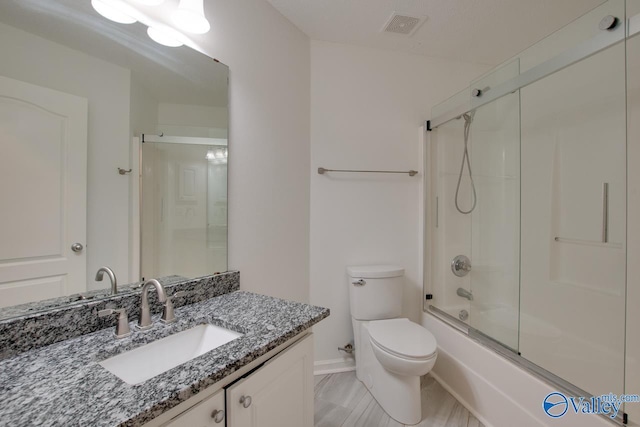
{"x":400,"y":24}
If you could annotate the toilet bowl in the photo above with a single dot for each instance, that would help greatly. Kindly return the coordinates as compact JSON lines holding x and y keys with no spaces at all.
{"x":392,"y":353}
{"x":403,"y":347}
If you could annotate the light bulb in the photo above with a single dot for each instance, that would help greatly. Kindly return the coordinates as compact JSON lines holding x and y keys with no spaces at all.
{"x":210,"y":155}
{"x":114,"y":10}
{"x":165,"y":36}
{"x":190,"y":17}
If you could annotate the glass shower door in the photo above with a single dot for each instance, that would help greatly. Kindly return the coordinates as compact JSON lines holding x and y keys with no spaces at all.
{"x":574,"y":222}
{"x":183,"y":209}
{"x":494,"y":144}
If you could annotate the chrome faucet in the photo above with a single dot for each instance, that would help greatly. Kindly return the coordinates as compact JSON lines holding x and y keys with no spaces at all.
{"x":112,"y":277}
{"x":462,"y":292}
{"x":144,"y":321}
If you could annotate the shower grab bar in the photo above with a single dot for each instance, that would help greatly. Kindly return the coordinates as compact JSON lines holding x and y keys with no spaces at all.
{"x":581,"y":242}
{"x":321,"y":171}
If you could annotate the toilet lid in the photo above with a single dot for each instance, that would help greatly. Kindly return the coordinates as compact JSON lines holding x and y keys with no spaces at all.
{"x":403,"y":337}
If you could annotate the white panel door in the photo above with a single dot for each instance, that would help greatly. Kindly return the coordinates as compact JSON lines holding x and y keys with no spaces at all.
{"x":43,"y":175}
{"x":279,"y":394}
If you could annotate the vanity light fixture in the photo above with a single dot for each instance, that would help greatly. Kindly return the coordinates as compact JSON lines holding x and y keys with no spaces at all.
{"x":114,"y":10}
{"x":190,"y":17}
{"x":165,"y":36}
{"x":189,"y":11}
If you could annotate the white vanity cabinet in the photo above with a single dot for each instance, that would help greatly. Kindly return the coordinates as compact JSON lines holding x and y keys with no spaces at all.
{"x":279,"y":393}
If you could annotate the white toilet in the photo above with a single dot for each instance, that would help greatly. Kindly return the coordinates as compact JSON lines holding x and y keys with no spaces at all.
{"x":392,"y":353}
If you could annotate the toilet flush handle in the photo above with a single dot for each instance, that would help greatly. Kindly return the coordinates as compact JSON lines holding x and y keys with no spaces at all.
{"x":359,"y":282}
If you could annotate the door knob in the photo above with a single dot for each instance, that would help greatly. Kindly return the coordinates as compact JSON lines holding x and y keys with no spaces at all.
{"x":218,"y":416}
{"x":77,"y":247}
{"x":245,"y":401}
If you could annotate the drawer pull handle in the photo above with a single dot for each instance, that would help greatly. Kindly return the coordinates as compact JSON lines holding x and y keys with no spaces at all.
{"x":218,"y":416}
{"x":245,"y":401}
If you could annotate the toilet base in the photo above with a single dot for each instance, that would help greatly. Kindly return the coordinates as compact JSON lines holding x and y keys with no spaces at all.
{"x":398,"y":395}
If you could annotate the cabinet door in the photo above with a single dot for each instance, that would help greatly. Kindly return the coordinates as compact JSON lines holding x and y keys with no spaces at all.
{"x":280,"y":394}
{"x":208,"y":413}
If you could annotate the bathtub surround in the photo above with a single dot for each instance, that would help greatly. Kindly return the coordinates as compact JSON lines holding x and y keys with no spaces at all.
{"x":63,"y":384}
{"x":492,"y":388}
{"x":32,"y":331}
{"x":578,"y":151}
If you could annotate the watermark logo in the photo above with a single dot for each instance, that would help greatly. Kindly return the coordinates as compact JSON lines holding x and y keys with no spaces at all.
{"x":557,"y":404}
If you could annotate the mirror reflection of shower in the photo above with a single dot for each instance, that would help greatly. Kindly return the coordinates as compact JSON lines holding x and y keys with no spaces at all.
{"x":468,"y":119}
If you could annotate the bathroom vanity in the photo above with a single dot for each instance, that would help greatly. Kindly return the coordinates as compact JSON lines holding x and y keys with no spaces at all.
{"x":262,"y":377}
{"x":278,"y":392}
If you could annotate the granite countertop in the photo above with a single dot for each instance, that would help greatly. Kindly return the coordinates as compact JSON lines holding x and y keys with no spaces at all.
{"x":63,"y":384}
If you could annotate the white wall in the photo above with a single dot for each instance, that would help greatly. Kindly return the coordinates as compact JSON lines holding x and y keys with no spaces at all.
{"x":41,"y":62}
{"x":367,"y":108}
{"x":268,"y":58}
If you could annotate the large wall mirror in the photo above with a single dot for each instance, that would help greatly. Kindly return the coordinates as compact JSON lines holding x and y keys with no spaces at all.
{"x":114,"y":153}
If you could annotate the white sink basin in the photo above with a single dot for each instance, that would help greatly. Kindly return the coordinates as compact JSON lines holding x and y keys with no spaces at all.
{"x":143,"y":363}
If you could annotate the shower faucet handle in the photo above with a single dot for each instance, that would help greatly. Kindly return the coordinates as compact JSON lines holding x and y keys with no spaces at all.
{"x":461,"y":266}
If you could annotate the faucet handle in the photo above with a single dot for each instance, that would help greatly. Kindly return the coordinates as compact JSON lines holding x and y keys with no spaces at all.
{"x":168,"y":315}
{"x":122,"y":329}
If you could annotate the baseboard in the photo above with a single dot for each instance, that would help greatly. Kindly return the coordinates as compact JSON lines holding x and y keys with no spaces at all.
{"x":333,"y":366}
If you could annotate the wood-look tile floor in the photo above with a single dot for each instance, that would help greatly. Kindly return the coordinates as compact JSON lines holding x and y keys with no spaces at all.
{"x":343,"y":401}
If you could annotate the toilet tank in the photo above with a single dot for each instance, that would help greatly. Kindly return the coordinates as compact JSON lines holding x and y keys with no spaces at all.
{"x":375,"y":291}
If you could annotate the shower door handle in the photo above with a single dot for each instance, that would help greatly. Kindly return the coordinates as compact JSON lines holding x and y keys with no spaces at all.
{"x":605,"y":212}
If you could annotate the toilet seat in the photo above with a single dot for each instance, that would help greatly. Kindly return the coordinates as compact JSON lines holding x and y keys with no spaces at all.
{"x":403,"y":338}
